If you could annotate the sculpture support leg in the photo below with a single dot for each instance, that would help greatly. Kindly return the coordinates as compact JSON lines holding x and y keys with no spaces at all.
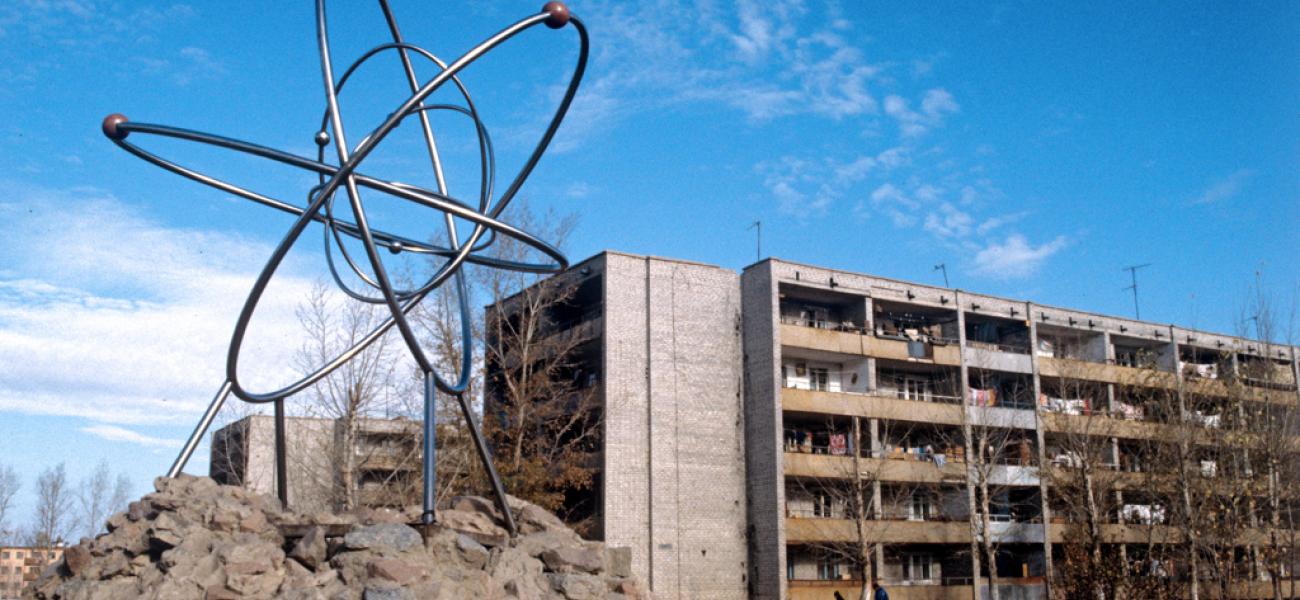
{"x":281,"y":456}
{"x":485,"y":454}
{"x":197,"y":435}
{"x":430,"y":451}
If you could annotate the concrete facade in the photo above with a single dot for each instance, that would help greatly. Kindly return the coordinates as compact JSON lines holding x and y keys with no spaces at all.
{"x":673,"y":461}
{"x":672,"y":475}
{"x":709,"y":381}
{"x":888,"y":363}
{"x":387,"y":456}
{"x":732,"y":403}
{"x":21,"y":565}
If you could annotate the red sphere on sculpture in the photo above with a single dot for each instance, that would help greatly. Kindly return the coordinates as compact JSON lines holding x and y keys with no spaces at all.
{"x":109,"y":126}
{"x":559,"y":14}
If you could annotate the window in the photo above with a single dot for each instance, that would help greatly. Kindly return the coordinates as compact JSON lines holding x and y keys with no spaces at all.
{"x":18,"y":555}
{"x":921,"y":508}
{"x":822,"y":505}
{"x":828,"y":569}
{"x":917,"y":568}
{"x":916,"y":389}
{"x":4,"y":555}
{"x":789,"y":568}
{"x":814,"y":316}
{"x":819,"y":378}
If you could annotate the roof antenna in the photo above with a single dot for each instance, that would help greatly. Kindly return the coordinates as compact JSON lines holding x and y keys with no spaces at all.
{"x":1132,"y":271}
{"x":758,"y":245}
{"x":943,"y":267}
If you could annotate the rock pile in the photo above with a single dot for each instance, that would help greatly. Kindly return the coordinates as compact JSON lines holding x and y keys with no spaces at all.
{"x":194,"y":538}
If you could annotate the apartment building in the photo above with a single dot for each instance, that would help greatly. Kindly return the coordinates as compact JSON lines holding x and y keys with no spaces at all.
{"x":22,"y":565}
{"x":658,"y":343}
{"x":927,"y":402}
{"x":386,"y":457}
{"x":879,"y":416}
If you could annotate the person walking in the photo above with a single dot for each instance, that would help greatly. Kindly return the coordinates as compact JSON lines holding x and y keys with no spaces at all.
{"x":880,"y":594}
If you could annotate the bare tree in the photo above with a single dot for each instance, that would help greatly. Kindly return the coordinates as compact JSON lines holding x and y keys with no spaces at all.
{"x":1082,"y":478}
{"x":9,"y":486}
{"x":93,"y":500}
{"x":850,"y":488}
{"x":541,"y":413}
{"x":1262,"y":389}
{"x":359,"y":388}
{"x":993,"y":440}
{"x":121,"y":493}
{"x":544,"y":418}
{"x":438,"y":320}
{"x":54,"y":502}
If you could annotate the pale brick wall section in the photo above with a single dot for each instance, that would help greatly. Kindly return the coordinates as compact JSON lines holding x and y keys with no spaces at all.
{"x":309,"y":450}
{"x":626,"y":474}
{"x":675,"y":482}
{"x":763,"y":458}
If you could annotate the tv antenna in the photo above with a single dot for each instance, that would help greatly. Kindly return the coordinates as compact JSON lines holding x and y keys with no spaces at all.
{"x":758,"y":243}
{"x":1132,"y":271}
{"x":943,"y":267}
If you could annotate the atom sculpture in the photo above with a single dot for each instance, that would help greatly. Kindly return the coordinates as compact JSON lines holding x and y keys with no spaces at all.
{"x":345,"y":176}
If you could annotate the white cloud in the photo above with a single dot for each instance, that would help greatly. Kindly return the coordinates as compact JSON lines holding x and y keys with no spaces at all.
{"x":993,"y":223}
{"x":948,"y":222}
{"x":856,"y":170}
{"x":110,"y":315}
{"x":1014,"y":258}
{"x":113,"y":433}
{"x":938,"y":103}
{"x":893,"y":157}
{"x":890,"y":194}
{"x":896,"y":204}
{"x":935,"y":106}
{"x":1226,"y":188}
{"x":805,"y":188}
{"x":766,"y":61}
{"x":578,"y":190}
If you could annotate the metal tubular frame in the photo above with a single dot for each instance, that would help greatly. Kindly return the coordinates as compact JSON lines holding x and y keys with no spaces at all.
{"x":485,"y":218}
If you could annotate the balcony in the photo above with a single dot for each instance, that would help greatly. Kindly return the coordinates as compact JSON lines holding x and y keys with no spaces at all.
{"x":800,"y":530}
{"x":1106,"y":373}
{"x":1013,"y":532}
{"x":873,"y":469}
{"x":1099,"y":425}
{"x":816,"y":338}
{"x":846,"y":340}
{"x":870,"y":406}
{"x":923,"y":351}
{"x":999,"y":357}
{"x":821,"y":589}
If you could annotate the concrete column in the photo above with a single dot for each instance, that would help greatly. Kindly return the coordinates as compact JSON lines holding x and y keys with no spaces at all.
{"x":872,"y":378}
{"x":1040,"y":436}
{"x":868,"y":321}
{"x":966,"y":434}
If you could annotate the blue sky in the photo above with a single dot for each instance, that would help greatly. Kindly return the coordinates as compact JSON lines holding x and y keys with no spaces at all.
{"x":1035,"y":149}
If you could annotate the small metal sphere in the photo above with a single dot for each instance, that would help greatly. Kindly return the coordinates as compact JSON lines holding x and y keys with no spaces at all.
{"x":559,"y":14}
{"x":322,"y":138}
{"x":395,"y":247}
{"x":109,"y":126}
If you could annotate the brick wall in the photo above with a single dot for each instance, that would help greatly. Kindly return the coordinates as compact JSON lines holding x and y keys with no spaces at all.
{"x":674,"y":472}
{"x":766,"y":488}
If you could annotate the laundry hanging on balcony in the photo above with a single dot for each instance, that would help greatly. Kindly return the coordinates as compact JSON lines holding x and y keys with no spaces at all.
{"x":978,"y":397}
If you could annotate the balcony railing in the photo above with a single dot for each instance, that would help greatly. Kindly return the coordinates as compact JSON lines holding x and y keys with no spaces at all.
{"x":829,"y":324}
{"x":882,"y":391}
{"x":998,"y":347}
